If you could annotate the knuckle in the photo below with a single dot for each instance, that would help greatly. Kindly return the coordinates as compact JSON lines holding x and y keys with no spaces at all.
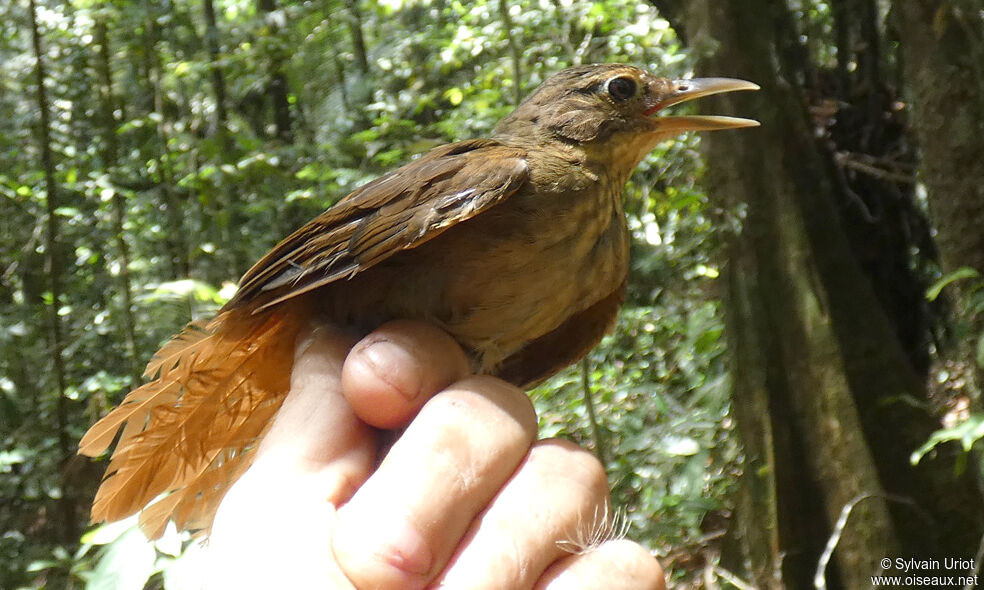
{"x":633,"y":563}
{"x":428,"y":341}
{"x":573,"y":464}
{"x":471,"y":429}
{"x":482,"y":398}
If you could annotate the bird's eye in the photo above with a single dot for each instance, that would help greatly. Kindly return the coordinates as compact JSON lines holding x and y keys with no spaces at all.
{"x":622,"y":88}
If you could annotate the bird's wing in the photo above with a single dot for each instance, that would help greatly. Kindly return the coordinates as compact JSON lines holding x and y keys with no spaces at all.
{"x":395,"y":212}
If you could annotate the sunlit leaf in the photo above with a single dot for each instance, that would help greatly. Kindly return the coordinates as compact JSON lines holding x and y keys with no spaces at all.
{"x":960,"y":274}
{"x":126,"y":564}
{"x":967,"y":433}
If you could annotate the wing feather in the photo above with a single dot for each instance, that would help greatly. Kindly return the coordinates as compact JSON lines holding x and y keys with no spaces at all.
{"x":395,"y":212}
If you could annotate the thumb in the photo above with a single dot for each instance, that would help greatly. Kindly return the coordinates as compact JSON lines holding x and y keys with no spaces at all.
{"x":391,"y":373}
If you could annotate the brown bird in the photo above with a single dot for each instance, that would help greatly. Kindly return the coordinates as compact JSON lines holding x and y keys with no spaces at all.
{"x":515,"y":245}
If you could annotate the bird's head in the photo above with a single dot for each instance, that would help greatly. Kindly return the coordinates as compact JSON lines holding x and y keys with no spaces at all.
{"x":610,"y":110}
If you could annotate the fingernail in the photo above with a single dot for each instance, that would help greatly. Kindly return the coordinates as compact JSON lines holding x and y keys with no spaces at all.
{"x":396,"y":366}
{"x":308,"y":336}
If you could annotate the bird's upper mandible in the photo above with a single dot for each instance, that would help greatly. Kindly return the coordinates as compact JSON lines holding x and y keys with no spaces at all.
{"x":604,"y":106}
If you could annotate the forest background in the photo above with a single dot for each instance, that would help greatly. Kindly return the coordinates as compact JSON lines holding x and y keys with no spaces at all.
{"x":798,"y":365}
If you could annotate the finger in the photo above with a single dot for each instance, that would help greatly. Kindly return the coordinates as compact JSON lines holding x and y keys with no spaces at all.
{"x":316,"y":434}
{"x":249,"y":551}
{"x":559,"y":493}
{"x":614,"y":565}
{"x":392,"y":372}
{"x":400,"y":528}
{"x":316,"y":453}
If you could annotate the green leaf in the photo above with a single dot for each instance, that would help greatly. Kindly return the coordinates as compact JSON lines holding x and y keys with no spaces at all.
{"x":682,"y":447}
{"x":454,"y":95}
{"x":182,"y":289}
{"x":365,"y":136}
{"x":108,"y":533}
{"x":66,"y":211}
{"x":41,"y":565}
{"x":980,"y":351}
{"x":127,"y":563}
{"x":961,"y":273}
{"x":968,"y":432}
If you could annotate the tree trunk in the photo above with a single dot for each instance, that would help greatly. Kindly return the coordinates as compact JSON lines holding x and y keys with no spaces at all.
{"x":514,"y":52}
{"x":118,"y":203}
{"x":69,"y":530}
{"x":840,"y":357}
{"x":223,"y":210}
{"x":217,"y":78}
{"x":175,"y":243}
{"x":358,"y":39}
{"x":277,"y":84}
{"x":943,"y":58}
{"x":793,"y":286}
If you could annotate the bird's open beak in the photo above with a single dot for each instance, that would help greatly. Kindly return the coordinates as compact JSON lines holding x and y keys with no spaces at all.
{"x":684,"y":90}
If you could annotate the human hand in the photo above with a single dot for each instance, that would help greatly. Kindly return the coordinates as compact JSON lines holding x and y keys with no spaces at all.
{"x":465,"y":498}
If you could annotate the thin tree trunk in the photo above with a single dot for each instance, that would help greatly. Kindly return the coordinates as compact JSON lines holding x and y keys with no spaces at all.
{"x":601,"y":445}
{"x":340,"y":71}
{"x":175,"y":243}
{"x":69,"y":529}
{"x":358,"y":39}
{"x":840,"y":10}
{"x":217,"y":78}
{"x":277,"y":84}
{"x":870,"y":54}
{"x":118,"y":203}
{"x":357,"y":86}
{"x":223,"y":210}
{"x":514,"y":52}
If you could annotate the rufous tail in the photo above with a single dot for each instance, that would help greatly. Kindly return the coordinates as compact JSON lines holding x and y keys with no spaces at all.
{"x":191,"y":431}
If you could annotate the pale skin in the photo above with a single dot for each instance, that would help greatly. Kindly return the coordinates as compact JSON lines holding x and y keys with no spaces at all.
{"x":466,"y":497}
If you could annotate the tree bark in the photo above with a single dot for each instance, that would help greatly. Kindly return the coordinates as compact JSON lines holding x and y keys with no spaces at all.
{"x":943,"y":59}
{"x":110,"y":161}
{"x":514,"y":52}
{"x":836,"y":373}
{"x":216,"y":76}
{"x":277,"y":84}
{"x":358,"y":39}
{"x":175,"y":243}
{"x":67,"y":505}
{"x":779,"y":263}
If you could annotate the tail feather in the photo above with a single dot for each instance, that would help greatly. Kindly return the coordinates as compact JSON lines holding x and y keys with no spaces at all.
{"x":224,"y":464}
{"x":191,"y":431}
{"x":154,"y":518}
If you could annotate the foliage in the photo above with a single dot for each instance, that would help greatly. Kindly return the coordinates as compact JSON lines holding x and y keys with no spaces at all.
{"x":966,"y":433}
{"x":183,"y":150}
{"x":165,"y":195}
{"x":966,"y":428}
